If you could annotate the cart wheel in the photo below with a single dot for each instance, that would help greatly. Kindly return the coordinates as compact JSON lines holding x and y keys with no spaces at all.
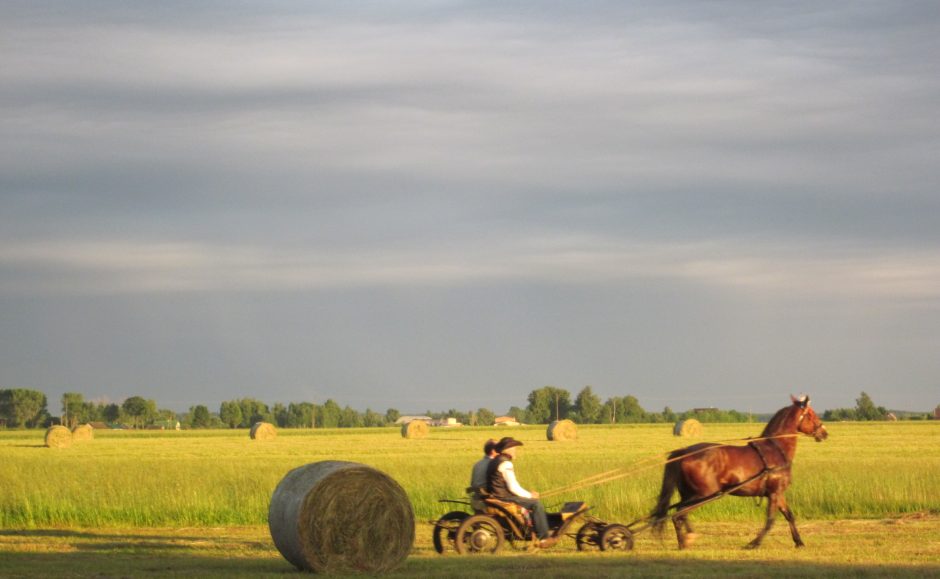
{"x":589,"y":537}
{"x":616,"y":538}
{"x":446,"y":529}
{"x":479,"y":535}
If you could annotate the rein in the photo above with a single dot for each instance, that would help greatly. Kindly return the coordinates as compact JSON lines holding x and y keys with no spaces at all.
{"x":648,"y":463}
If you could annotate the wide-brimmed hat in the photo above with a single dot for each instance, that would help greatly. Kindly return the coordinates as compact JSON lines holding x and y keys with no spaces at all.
{"x":506,"y":442}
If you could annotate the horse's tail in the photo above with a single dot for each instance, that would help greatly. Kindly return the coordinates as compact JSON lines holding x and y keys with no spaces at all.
{"x":671,"y":475}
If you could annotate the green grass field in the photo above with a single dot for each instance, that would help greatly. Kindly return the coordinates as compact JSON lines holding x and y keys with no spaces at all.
{"x":137,"y":493}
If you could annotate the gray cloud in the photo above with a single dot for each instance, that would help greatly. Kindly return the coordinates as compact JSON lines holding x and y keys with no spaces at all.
{"x":781,"y":155}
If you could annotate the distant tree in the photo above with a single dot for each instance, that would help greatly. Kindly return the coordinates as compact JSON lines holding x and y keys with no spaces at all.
{"x":392,"y":415}
{"x":865,"y":408}
{"x":139,"y":410}
{"x":548,"y":403}
{"x":461,"y":417}
{"x":230,"y":413}
{"x":73,"y":409}
{"x":373,"y":418}
{"x":840,"y":415}
{"x":350,"y":418}
{"x":200,"y":416}
{"x":279,"y":413}
{"x":632,"y":411}
{"x":92,"y":412}
{"x":588,"y":406}
{"x":22,"y":407}
{"x":300,"y":415}
{"x":518,"y":414}
{"x":167,"y":414}
{"x":485,"y":417}
{"x":254,"y":411}
{"x":624,"y":410}
{"x":669,"y":415}
{"x":111,"y":413}
{"x":330,"y":414}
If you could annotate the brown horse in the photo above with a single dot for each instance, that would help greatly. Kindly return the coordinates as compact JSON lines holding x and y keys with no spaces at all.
{"x":759,"y":469}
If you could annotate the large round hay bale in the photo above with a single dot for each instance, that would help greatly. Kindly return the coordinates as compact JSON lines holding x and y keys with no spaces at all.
{"x":687,"y":427}
{"x":263,"y":431}
{"x":83,"y":432}
{"x":335,"y":516}
{"x":58,"y":437}
{"x":562,"y":430}
{"x":415,"y":429}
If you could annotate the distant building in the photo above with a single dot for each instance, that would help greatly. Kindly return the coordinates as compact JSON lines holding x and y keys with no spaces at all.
{"x":165,"y":425}
{"x":406,"y":419}
{"x":506,"y":421}
{"x":446,"y":422}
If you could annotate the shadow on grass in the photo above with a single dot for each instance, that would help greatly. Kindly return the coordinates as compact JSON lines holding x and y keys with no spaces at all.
{"x":69,"y":534}
{"x":158,"y":562}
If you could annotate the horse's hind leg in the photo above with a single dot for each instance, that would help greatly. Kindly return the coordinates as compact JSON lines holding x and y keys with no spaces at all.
{"x":684,"y":532}
{"x":788,"y":515}
{"x":771,"y":515}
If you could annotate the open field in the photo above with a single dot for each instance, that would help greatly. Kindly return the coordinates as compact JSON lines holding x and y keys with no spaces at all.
{"x":195,"y":503}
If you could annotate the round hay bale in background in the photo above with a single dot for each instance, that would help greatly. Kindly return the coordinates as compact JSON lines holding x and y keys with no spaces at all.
{"x":335,"y":516}
{"x":58,"y":437}
{"x":263,"y":431}
{"x":562,"y":430}
{"x":83,"y":432}
{"x":415,"y":429}
{"x":687,"y":427}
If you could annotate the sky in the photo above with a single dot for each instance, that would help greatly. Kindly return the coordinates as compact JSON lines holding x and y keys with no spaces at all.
{"x":434,"y":205}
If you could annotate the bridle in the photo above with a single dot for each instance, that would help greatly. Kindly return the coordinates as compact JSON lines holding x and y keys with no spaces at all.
{"x":816,"y":429}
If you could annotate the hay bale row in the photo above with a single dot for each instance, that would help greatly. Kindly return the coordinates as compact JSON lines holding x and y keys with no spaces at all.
{"x":336,"y":516}
{"x":263,"y":431}
{"x":83,"y":432}
{"x":58,"y":437}
{"x":415,"y":429}
{"x":562,"y":430}
{"x":687,"y":428}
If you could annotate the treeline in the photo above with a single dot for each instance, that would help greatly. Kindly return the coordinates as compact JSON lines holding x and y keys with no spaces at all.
{"x":865,"y":409}
{"x":25,"y":408}
{"x":552,"y":403}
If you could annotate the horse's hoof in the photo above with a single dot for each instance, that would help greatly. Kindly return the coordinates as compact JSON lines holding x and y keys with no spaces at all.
{"x":751,"y":546}
{"x":800,"y":545}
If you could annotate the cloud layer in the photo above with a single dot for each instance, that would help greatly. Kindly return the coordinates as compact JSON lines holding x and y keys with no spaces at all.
{"x":772,"y":159}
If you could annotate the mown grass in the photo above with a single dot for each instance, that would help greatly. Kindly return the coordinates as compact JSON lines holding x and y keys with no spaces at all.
{"x":222,"y":478}
{"x":909,"y":547}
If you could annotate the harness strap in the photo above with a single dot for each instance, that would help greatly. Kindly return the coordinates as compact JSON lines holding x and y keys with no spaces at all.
{"x":760,"y":453}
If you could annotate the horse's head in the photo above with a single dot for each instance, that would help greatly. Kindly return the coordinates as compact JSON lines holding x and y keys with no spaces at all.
{"x":808,"y":421}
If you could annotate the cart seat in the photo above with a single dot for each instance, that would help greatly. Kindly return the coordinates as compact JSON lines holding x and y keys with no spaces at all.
{"x":493,"y":507}
{"x":573,"y":509}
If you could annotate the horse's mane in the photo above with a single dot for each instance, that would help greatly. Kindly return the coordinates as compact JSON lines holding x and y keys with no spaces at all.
{"x":777,"y":422}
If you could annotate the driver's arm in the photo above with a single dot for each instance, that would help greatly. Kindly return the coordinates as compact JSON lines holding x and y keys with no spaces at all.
{"x":509,"y":475}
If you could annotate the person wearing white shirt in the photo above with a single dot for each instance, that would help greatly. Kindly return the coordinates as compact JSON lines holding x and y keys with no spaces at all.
{"x":501,"y":483}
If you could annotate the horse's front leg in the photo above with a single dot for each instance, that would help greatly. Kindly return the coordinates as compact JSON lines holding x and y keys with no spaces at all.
{"x":771,"y":515}
{"x":788,"y":515}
